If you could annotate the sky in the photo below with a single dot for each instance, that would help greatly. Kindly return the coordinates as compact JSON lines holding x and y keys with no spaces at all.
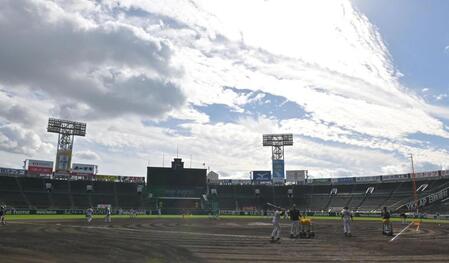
{"x":360,"y":84}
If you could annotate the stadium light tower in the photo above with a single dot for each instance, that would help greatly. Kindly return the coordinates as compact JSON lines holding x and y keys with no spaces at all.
{"x":66,"y":130}
{"x":277,"y":143}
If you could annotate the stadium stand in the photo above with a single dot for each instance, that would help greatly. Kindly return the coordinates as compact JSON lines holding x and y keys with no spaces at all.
{"x":23,"y":192}
{"x":32,"y":193}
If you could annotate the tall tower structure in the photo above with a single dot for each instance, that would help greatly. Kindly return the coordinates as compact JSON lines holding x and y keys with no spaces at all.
{"x":277,"y":143}
{"x":66,"y":130}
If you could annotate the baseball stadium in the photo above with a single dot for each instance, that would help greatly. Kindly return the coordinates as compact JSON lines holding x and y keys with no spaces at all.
{"x":183,"y":214}
{"x":224,"y":131}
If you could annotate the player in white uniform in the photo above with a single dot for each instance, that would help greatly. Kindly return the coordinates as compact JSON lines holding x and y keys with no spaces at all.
{"x":2,"y":215}
{"x":275,"y":235}
{"x":107,"y":218}
{"x":89,"y":214}
{"x":346,"y":215}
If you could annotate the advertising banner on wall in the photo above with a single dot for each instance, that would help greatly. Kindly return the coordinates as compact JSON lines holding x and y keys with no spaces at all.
{"x":367,"y":179}
{"x":10,"y":171}
{"x":321,"y":181}
{"x":63,"y":160}
{"x":39,"y":167}
{"x":296,"y":175}
{"x":109,"y":178}
{"x":261,"y":175}
{"x":345,"y":180}
{"x":278,"y":171}
{"x":132,"y":179}
{"x":427,"y":174}
{"x":395,"y":177}
{"x":84,"y":169}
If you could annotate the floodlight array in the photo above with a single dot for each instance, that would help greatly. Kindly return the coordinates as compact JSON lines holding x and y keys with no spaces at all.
{"x":66,"y":127}
{"x":278,"y":139}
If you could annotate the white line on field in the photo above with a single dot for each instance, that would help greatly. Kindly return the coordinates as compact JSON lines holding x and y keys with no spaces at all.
{"x":405,"y":228}
{"x":150,"y":230}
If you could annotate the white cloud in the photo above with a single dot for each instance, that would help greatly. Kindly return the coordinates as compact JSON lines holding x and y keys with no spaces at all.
{"x":92,"y":68}
{"x":441,"y":96}
{"x":87,"y":155}
{"x":119,"y":64}
{"x":16,"y":139}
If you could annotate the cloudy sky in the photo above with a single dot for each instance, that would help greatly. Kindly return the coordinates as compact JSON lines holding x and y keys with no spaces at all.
{"x":360,"y":84}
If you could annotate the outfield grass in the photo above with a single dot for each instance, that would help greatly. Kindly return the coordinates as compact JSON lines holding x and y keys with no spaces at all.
{"x":68,"y":217}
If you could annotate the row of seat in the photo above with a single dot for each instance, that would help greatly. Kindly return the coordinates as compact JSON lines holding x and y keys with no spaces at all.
{"x":23,"y":192}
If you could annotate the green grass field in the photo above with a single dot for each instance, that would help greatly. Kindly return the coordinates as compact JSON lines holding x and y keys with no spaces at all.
{"x":223,"y":217}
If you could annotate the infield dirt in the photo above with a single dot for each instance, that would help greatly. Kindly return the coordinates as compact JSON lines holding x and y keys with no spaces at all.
{"x":205,"y":240}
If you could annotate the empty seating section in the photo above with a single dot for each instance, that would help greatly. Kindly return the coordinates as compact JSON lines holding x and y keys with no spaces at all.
{"x":127,"y":195}
{"x":60,"y":186}
{"x":130,"y":201}
{"x":26,"y":192}
{"x":12,"y":199}
{"x":79,"y":186}
{"x":103,"y":187}
{"x":8,"y":184}
{"x":81,"y":201}
{"x":39,"y":200}
{"x":66,"y":194}
{"x":32,"y":184}
{"x":60,"y":200}
{"x":339,"y":201}
{"x":102,"y":199}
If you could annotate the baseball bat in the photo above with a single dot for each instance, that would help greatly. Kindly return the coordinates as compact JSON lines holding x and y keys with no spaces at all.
{"x":275,"y":206}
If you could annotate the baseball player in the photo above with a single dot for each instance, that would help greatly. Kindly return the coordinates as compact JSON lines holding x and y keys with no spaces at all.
{"x":2,"y":215}
{"x":387,"y":227}
{"x":107,"y":218}
{"x":275,"y":235}
{"x":346,"y":215}
{"x":403,"y":218}
{"x":89,"y":214}
{"x":294,"y":218}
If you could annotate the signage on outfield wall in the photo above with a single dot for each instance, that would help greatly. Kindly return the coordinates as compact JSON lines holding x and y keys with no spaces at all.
{"x":367,"y":179}
{"x":261,"y":175}
{"x":427,"y":174}
{"x":39,"y":167}
{"x":294,"y":176}
{"x":427,"y":200}
{"x":108,"y":178}
{"x":321,"y":181}
{"x":278,"y":171}
{"x":241,"y":182}
{"x":347,"y":180}
{"x":395,"y":177}
{"x":10,"y":171}
{"x":84,"y":169}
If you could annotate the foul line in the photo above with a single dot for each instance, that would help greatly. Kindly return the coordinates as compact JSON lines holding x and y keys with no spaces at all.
{"x":391,"y":240}
{"x":148,"y":230}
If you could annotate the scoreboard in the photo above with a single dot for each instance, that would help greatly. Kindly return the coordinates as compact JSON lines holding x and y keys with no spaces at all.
{"x":176,"y":178}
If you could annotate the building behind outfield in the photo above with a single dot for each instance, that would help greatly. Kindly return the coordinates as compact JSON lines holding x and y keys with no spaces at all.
{"x":176,"y":187}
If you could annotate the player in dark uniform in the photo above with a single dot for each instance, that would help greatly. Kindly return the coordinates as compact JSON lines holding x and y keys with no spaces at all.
{"x":387,"y":227}
{"x":294,"y":218}
{"x":2,"y":215}
{"x":403,"y":218}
